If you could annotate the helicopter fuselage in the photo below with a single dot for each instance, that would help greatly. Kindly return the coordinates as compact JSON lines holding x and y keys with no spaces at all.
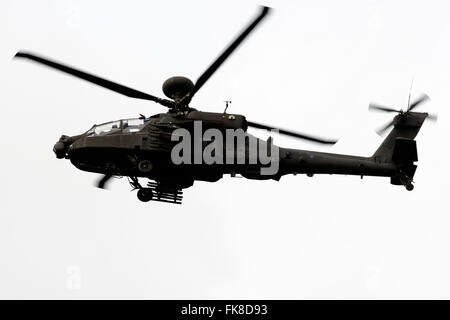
{"x":119,"y":152}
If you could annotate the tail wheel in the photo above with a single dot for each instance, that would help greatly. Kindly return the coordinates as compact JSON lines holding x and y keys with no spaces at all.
{"x":409,"y":186}
{"x":145,"y":166}
{"x":145,"y":194}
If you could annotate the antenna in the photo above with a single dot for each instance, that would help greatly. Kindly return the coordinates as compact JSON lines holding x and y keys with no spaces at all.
{"x":227,"y":102}
{"x":410,"y":89}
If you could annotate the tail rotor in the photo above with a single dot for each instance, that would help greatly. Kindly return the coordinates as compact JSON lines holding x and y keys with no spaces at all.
{"x":402,"y":114}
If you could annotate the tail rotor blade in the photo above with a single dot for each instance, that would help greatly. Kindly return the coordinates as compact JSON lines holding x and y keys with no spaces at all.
{"x":419,"y":101}
{"x":432,"y":117}
{"x":377,"y":107}
{"x":291,"y":133}
{"x":382,"y":129}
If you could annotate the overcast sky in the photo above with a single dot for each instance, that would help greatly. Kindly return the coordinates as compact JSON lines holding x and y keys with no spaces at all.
{"x":310,"y":66}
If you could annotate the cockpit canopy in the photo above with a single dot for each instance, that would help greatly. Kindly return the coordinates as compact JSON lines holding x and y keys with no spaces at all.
{"x":118,"y":126}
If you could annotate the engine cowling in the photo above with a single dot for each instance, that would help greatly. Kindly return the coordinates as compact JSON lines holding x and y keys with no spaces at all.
{"x":219,"y":120}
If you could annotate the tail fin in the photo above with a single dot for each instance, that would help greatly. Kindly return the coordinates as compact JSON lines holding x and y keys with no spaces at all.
{"x":400,"y":148}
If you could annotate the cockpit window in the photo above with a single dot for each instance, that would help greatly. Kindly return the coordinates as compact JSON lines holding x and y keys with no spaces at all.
{"x":125,"y":126}
{"x":132,"y":125}
{"x":105,"y":128}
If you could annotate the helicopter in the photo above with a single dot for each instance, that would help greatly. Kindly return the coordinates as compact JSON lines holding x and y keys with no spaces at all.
{"x":143,"y":147}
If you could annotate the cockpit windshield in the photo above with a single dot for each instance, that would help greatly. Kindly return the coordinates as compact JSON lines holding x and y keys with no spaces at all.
{"x":118,"y":126}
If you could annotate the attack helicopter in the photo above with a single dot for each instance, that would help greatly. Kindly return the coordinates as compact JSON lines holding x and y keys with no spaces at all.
{"x":143,"y":147}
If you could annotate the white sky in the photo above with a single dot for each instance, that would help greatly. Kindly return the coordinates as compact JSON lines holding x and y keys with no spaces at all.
{"x":311,"y":66}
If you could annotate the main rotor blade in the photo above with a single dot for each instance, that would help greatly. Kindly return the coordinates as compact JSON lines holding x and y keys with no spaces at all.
{"x":420,"y":100}
{"x":374,"y":106}
{"x":129,"y":92}
{"x":228,"y":51}
{"x":291,"y":133}
{"x":382,"y":129}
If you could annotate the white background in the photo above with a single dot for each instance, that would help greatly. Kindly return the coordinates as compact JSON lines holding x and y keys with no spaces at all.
{"x":311,"y":66}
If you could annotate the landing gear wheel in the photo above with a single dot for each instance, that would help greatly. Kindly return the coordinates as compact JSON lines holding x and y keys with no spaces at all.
{"x":145,"y":166}
{"x":409,"y":186}
{"x":145,"y":194}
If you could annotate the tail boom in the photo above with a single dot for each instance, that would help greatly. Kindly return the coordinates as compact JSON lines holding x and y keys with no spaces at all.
{"x":394,"y":158}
